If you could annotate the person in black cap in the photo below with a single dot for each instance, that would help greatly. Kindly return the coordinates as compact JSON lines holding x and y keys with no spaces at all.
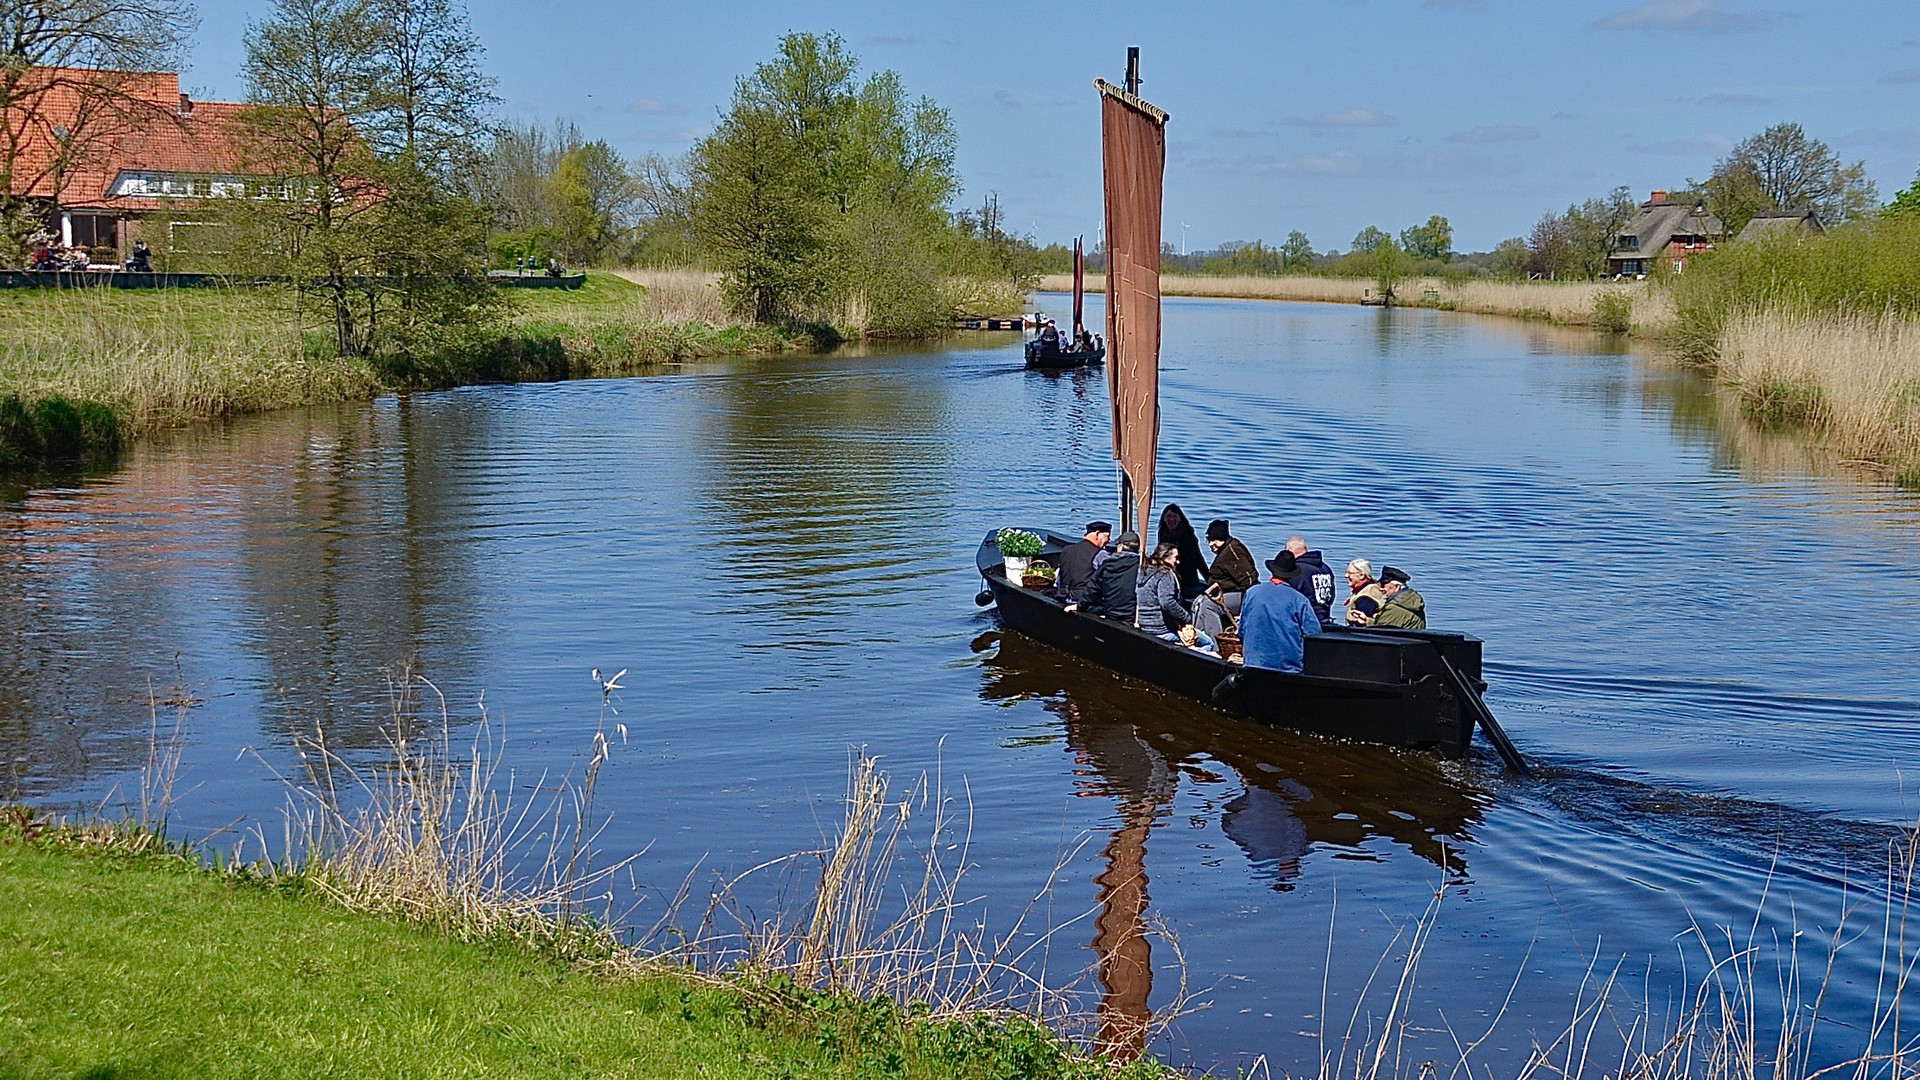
{"x":1113,"y":592}
{"x":1404,"y":609}
{"x":1232,"y":572}
{"x":1275,"y":620}
{"x":1076,"y":562}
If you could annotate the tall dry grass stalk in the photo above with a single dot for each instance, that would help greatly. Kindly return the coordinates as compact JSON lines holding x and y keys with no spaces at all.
{"x":435,"y":837}
{"x":681,"y":296}
{"x":1568,"y":303}
{"x":887,"y":916}
{"x":166,"y":357}
{"x":1753,"y":1011}
{"x":1855,"y":379}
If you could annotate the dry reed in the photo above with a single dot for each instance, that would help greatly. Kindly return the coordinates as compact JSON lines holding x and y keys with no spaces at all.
{"x":1750,"y":1014}
{"x":1855,"y":380}
{"x":166,"y":357}
{"x":680,"y":296}
{"x":1568,"y":303}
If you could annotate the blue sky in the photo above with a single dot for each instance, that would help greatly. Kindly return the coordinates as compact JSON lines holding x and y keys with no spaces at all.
{"x":1321,"y":116}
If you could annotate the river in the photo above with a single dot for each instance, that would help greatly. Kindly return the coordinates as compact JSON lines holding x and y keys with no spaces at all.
{"x":1698,"y":630}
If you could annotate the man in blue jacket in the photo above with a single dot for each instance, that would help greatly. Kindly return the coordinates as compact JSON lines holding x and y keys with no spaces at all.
{"x":1275,"y":619}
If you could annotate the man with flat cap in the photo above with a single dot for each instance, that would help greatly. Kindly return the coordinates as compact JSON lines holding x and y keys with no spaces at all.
{"x":1113,"y":593}
{"x":1275,"y":619}
{"x":1076,"y":562}
{"x":1404,"y":609}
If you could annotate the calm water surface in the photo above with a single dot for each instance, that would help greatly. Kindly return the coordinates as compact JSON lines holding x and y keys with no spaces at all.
{"x":1702,"y":632}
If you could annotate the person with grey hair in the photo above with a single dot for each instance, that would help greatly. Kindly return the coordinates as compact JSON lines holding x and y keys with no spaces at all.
{"x":1367,"y":596}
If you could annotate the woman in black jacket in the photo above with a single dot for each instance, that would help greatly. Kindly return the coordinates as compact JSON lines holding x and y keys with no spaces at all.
{"x":1175,"y":529}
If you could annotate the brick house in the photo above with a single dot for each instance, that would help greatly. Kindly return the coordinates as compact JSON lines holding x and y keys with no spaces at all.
{"x":138,"y":154}
{"x":1670,"y":229}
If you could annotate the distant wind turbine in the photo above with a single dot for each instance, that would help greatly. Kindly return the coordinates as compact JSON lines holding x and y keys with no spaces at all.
{"x":1183,"y":239}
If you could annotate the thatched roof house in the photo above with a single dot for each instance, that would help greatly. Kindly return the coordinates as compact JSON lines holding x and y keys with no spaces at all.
{"x":1664,"y":228}
{"x":1774,"y":223}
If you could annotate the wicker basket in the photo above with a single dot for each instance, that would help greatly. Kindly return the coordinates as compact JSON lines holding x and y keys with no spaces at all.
{"x":1036,"y":582}
{"x":1228,"y":642}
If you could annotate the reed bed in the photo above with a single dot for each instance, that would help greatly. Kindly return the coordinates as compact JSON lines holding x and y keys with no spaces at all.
{"x":680,"y":296}
{"x":163,"y":358}
{"x":1567,"y":303}
{"x":1852,"y":379}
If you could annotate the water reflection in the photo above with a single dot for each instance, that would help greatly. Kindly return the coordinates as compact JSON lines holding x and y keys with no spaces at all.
{"x":1133,"y":744}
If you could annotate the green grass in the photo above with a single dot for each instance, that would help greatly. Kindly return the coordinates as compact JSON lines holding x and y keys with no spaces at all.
{"x":112,"y":363}
{"x":123,"y":965}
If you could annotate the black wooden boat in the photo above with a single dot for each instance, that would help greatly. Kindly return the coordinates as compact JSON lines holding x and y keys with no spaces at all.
{"x":1400,"y":688}
{"x":1041,"y":359}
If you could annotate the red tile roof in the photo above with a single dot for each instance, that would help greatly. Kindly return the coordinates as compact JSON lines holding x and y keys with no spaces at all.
{"x":151,"y":126}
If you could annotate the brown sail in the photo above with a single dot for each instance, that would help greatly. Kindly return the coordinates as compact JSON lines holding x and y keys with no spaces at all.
{"x":1134,"y":149}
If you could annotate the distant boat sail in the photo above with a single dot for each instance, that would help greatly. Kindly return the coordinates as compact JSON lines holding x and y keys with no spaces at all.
{"x":1134,"y":149}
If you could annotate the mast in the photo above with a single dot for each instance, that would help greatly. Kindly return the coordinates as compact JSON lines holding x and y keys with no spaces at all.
{"x":1134,"y":156}
{"x":1079,"y":285}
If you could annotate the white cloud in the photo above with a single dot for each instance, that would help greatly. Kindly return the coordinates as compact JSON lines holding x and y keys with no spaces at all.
{"x":1496,"y":133}
{"x":650,"y":107}
{"x":1695,"y":16}
{"x":1343,"y":118}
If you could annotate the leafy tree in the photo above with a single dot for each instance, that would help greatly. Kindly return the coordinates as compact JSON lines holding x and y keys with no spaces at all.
{"x":68,"y":70}
{"x":1593,"y":228}
{"x":393,"y":256}
{"x":1390,"y":264}
{"x":432,"y":96}
{"x":1371,"y":239}
{"x":1907,"y":201}
{"x":1509,"y":258}
{"x":1434,"y":240}
{"x":310,"y":78}
{"x":818,"y":190}
{"x":1782,"y":168}
{"x":592,"y":198}
{"x":1297,"y":252}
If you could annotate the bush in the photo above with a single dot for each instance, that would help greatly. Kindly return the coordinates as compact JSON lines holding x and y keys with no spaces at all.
{"x":1785,"y":403}
{"x":56,"y":430}
{"x":1866,"y":269}
{"x":1613,"y":312}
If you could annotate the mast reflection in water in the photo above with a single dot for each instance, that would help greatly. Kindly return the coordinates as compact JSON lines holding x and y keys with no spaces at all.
{"x":1133,"y":743}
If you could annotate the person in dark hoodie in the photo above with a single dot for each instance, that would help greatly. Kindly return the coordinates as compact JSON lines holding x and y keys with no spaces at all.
{"x":1077,"y":562}
{"x":1233,"y":570}
{"x":1111,"y":593}
{"x":1175,"y":529}
{"x":1313,"y":578}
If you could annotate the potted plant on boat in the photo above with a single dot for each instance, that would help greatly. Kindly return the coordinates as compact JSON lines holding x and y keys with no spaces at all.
{"x":1017,"y":549}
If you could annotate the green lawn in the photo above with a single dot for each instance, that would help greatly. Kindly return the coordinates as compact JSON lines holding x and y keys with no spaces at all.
{"x":120,"y":966}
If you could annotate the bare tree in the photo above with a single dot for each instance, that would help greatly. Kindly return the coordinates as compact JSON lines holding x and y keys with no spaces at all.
{"x":1782,"y":168}
{"x":433,"y":97}
{"x":69,"y":84}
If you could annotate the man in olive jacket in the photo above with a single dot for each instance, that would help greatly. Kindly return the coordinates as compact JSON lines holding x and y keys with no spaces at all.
{"x":1404,"y":609}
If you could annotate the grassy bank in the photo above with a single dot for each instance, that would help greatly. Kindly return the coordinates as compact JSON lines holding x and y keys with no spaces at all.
{"x":1821,"y":333}
{"x":1637,"y":307}
{"x":83,"y":370}
{"x":124,"y":959}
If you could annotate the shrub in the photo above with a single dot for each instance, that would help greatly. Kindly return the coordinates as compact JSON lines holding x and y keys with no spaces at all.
{"x":1613,"y":311}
